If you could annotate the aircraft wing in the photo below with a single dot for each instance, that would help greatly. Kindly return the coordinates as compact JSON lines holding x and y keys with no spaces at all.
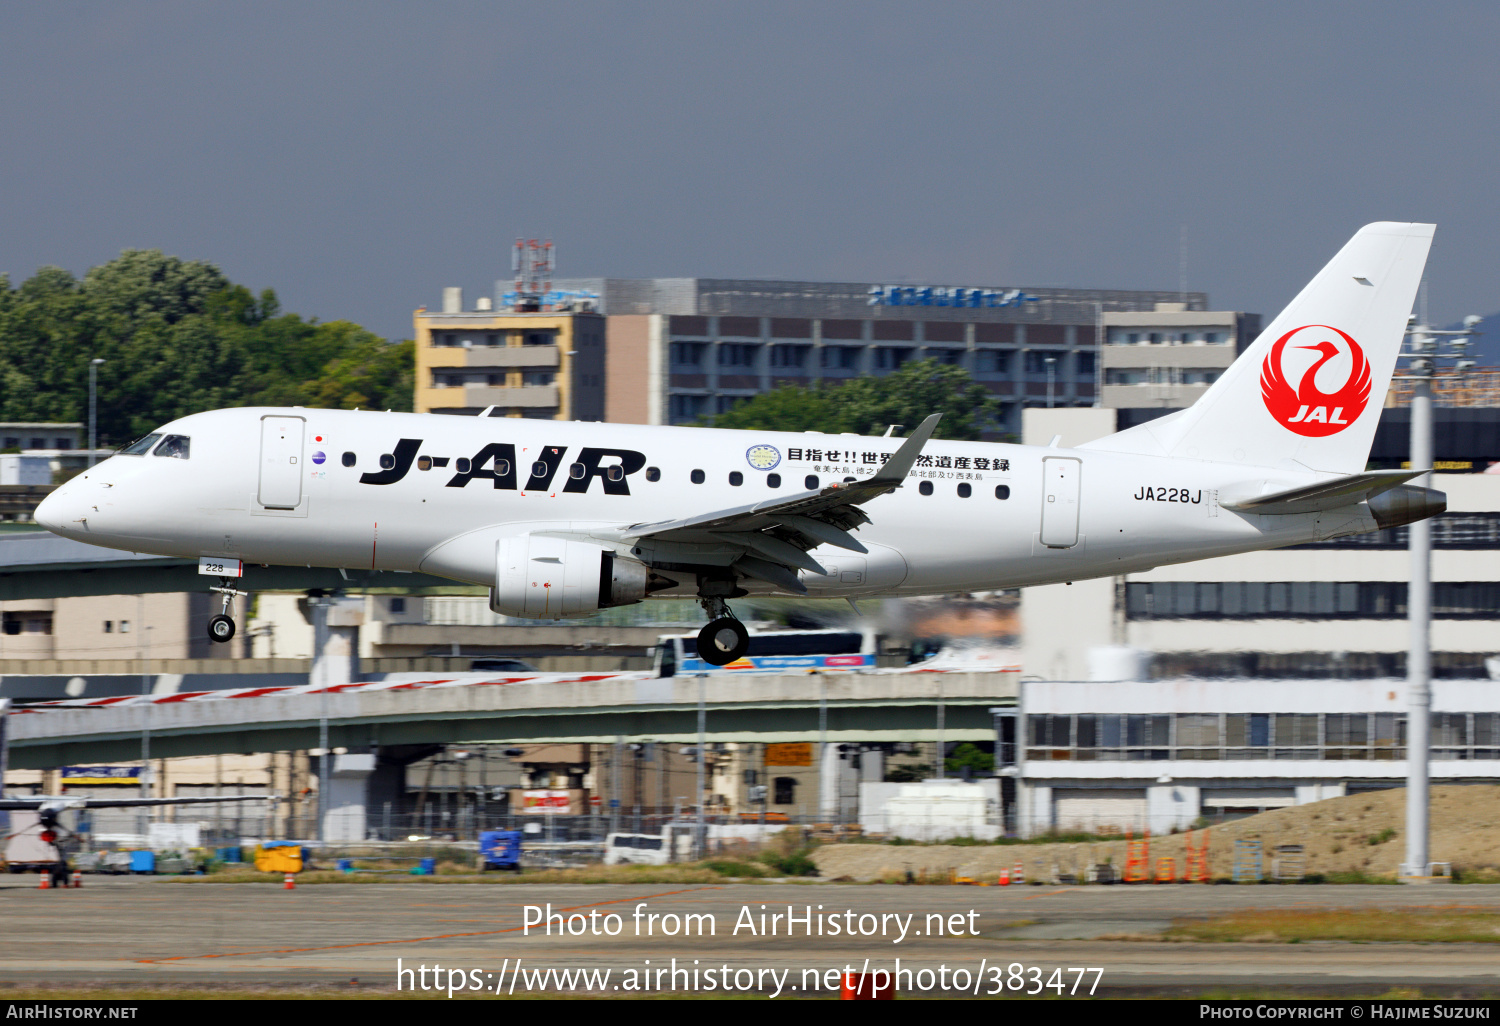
{"x":1341,"y":491}
{"x":65,"y":802}
{"x":774,"y":535}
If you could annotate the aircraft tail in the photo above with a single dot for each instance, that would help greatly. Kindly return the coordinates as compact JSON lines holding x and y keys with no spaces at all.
{"x":1308,"y":393}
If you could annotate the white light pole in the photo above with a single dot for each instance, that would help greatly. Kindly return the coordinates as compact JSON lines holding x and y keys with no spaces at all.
{"x":1423,"y":355}
{"x":1051,"y":378}
{"x":93,"y":406}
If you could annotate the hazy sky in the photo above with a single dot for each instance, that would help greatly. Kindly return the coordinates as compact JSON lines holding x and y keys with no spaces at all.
{"x":357,"y":157}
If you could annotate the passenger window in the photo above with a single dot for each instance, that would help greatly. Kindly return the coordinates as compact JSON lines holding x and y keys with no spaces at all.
{"x":810,"y":482}
{"x":925,"y":487}
{"x":576,"y":471}
{"x":348,"y":459}
{"x":773,"y":480}
{"x":1002,"y":491}
{"x":502,"y":467}
{"x":615,"y":473}
{"x":697,"y":476}
{"x":653,"y":473}
{"x":964,"y":491}
{"x":736,"y":478}
{"x":424,"y":462}
{"x":140,"y":446}
{"x":175,"y":446}
{"x":539,"y":469}
{"x":461,"y":464}
{"x":387,"y":461}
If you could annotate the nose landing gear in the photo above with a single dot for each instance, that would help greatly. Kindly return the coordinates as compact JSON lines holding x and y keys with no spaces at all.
{"x":723,"y":639}
{"x":221,"y":627}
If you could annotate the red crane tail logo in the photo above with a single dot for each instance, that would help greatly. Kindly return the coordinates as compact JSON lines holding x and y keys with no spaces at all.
{"x":1303,"y":408}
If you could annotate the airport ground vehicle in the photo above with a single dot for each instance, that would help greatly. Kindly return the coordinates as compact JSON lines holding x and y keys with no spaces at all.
{"x":561,"y":519}
{"x":771,"y":652}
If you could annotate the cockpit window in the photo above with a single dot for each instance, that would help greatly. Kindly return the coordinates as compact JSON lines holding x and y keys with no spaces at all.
{"x":176,"y":446}
{"x":140,"y":446}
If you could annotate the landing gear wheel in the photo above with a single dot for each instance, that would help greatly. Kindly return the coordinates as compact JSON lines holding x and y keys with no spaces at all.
{"x":723,"y":640}
{"x":220,"y":628}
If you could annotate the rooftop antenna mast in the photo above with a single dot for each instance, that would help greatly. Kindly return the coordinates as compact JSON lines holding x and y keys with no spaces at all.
{"x":532,"y":262}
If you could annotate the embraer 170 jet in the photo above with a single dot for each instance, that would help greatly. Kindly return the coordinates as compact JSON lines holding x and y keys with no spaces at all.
{"x":561,"y":519}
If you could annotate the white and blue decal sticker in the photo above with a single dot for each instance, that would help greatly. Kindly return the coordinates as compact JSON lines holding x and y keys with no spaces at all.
{"x":763,"y":457}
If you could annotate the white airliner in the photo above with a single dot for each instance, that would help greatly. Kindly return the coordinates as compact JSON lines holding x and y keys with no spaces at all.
{"x":561,"y":519}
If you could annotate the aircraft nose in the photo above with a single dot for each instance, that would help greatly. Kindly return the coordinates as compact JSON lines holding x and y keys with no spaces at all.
{"x":60,"y":511}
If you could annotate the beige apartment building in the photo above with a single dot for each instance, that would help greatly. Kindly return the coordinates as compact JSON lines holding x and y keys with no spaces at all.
{"x":546,"y":365}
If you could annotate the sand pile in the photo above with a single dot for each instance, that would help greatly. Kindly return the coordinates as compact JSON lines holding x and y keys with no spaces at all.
{"x":1361,"y":833}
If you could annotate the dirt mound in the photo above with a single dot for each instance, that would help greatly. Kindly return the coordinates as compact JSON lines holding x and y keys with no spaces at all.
{"x":1360,"y":833}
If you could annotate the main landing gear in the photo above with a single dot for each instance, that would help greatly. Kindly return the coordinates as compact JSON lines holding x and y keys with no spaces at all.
{"x":221,"y":627}
{"x":723,"y":639}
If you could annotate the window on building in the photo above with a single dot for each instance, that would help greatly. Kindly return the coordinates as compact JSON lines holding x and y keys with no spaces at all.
{"x":539,"y":338}
{"x":994,"y":361}
{"x":683,"y":409}
{"x":538,"y":378}
{"x":789,"y":356}
{"x":785,"y":791}
{"x":840,"y":357}
{"x":1084,"y":362}
{"x":890,"y":358}
{"x":688,"y":354}
{"x":109,"y":626}
{"x":948,"y":356}
{"x":737,"y":354}
{"x":62,"y":443}
{"x":398,"y":605}
{"x":1036,"y":360}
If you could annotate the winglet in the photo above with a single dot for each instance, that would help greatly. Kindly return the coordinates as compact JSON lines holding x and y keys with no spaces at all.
{"x":899,"y":465}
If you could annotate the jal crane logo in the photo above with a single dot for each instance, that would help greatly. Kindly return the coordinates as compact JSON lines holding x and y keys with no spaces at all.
{"x":1305,"y":409}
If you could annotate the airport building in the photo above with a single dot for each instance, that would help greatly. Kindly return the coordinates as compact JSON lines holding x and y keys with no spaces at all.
{"x":1166,"y":358}
{"x":1108,"y":757}
{"x":679,"y":349}
{"x":547,"y":365}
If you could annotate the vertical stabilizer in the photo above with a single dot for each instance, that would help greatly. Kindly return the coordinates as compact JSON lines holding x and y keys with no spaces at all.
{"x":1311,"y":387}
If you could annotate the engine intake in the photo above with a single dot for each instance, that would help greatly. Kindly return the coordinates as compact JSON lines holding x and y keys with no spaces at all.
{"x":539,"y":578}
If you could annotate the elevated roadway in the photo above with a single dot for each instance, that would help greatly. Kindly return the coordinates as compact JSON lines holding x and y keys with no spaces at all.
{"x":879,"y":706}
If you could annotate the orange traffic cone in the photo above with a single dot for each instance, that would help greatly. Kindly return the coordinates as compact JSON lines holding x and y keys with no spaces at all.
{"x":46,"y":884}
{"x":290,"y":883}
{"x":77,"y":878}
{"x":1004,"y":878}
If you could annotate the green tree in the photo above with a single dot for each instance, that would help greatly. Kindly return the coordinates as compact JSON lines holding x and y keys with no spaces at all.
{"x":178,"y":337}
{"x":968,"y":755}
{"x":867,"y":406}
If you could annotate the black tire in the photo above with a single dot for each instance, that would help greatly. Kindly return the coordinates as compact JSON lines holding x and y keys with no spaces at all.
{"x":722,"y":641}
{"x":220,"y":629}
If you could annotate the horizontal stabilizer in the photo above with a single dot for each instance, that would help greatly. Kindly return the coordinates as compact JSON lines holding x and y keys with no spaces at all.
{"x":1340,"y":491}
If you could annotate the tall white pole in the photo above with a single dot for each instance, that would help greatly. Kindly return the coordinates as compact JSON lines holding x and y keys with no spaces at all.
{"x":1419,"y":659}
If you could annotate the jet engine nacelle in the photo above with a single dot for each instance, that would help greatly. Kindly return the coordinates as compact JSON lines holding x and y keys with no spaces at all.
{"x":541,"y":578}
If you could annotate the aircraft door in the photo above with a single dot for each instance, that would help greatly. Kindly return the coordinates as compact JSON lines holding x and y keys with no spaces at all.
{"x":281,"y":462}
{"x":1060,"y":491}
